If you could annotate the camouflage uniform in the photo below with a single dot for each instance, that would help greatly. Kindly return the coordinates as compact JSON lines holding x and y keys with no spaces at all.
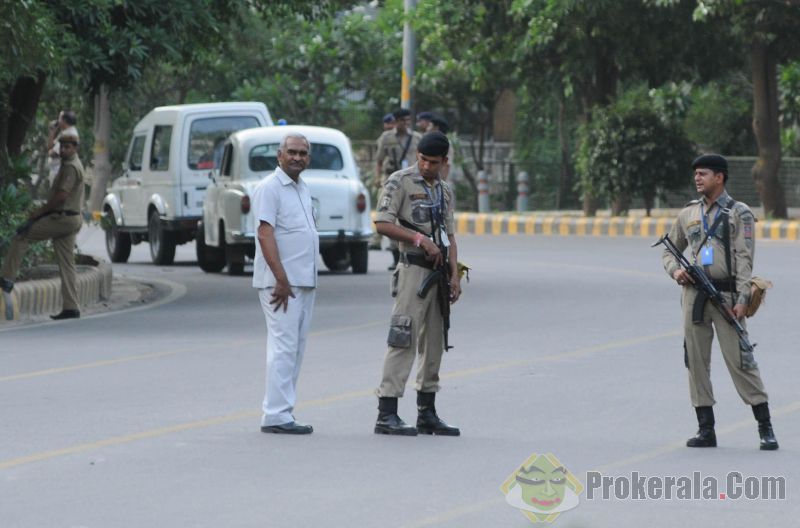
{"x":689,"y":231}
{"x":389,"y":154}
{"x":416,"y":324}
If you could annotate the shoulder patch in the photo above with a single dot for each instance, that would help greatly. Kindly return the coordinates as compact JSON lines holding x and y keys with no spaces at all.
{"x":693,"y":202}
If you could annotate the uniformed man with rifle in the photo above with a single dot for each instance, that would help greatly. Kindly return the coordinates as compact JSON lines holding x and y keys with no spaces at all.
{"x":415,"y":208}
{"x":716,"y":283}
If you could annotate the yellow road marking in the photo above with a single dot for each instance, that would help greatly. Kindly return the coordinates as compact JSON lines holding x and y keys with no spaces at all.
{"x":346,"y":396}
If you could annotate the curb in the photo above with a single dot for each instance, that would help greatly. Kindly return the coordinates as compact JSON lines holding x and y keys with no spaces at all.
{"x":37,"y":297}
{"x":544,"y":224}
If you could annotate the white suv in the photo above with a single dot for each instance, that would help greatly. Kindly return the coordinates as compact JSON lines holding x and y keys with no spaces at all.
{"x":159,"y":197}
{"x":341,"y":202}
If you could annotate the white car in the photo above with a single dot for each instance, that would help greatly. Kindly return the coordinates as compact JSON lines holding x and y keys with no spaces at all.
{"x":226,"y":233}
{"x":159,"y":197}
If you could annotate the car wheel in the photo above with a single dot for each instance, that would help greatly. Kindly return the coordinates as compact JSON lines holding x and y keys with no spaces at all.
{"x":359,"y":257}
{"x":336,"y":258}
{"x":118,"y":245}
{"x":210,"y":259}
{"x":162,"y":242}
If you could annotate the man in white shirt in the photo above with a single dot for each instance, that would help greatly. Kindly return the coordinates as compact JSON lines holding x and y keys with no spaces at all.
{"x":285,"y":274}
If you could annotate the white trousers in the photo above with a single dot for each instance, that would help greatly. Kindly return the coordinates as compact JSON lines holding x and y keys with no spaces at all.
{"x":286,"y":343}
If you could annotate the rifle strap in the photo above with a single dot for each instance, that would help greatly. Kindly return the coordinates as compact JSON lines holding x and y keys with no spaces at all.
{"x":726,"y":241}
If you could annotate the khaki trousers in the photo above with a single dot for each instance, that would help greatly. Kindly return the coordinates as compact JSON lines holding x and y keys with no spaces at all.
{"x":698,"y":350}
{"x":416,"y":330}
{"x":61,"y":230}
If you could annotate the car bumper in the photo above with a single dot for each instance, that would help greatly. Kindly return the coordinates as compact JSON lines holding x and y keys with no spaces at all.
{"x":326,"y":238}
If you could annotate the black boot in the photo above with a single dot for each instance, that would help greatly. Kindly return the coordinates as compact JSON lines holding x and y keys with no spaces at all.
{"x":705,"y":437}
{"x":768,"y":440}
{"x":427,"y":420}
{"x":396,"y":258}
{"x":388,"y":421}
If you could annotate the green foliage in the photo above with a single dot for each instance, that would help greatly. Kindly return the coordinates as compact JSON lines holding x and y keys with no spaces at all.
{"x":16,"y":204}
{"x":719,"y":118}
{"x":789,"y":89}
{"x":629,"y":150}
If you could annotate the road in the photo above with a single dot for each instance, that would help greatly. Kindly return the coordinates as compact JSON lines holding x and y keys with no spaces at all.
{"x":564,"y":345}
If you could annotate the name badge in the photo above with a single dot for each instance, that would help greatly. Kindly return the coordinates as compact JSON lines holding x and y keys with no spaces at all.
{"x":707,"y":256}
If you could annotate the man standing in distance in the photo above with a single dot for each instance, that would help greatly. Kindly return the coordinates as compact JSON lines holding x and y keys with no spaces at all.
{"x":285,"y":274}
{"x":422,"y":205}
{"x":720,"y":234}
{"x":58,"y":220}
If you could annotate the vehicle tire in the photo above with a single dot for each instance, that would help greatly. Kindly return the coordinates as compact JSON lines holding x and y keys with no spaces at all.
{"x":162,"y":242}
{"x":118,"y":245}
{"x":210,"y":259}
{"x":359,"y":257}
{"x":336,"y":258}
{"x":235,"y":268}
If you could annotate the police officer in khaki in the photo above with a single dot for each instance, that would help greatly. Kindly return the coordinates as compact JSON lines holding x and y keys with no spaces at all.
{"x":701,"y":226}
{"x":396,"y":150}
{"x":415,"y":208}
{"x":58,"y":220}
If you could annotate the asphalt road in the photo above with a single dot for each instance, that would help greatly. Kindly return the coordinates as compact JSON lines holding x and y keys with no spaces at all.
{"x":564,"y":345}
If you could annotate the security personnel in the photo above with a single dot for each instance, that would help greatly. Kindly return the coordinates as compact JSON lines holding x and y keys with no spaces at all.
{"x":396,"y":150}
{"x":416,"y":209}
{"x":58,"y":220}
{"x":727,"y":258}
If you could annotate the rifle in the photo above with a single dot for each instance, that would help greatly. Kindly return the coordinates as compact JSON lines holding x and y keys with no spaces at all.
{"x":703,"y":284}
{"x":440,"y":276}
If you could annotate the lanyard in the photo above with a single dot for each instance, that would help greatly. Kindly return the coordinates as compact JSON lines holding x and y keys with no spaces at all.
{"x":705,"y":222}
{"x":437,"y":204}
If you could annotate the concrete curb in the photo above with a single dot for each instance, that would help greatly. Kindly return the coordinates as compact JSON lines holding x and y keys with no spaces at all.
{"x":37,"y":297}
{"x":559,"y":224}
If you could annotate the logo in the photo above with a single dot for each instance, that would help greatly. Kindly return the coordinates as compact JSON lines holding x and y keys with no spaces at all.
{"x":542,"y":488}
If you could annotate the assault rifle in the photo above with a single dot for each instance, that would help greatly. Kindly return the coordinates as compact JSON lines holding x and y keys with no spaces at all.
{"x":703,"y":284}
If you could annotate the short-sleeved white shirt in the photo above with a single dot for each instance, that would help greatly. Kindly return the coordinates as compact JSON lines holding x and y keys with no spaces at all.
{"x":287,"y":207}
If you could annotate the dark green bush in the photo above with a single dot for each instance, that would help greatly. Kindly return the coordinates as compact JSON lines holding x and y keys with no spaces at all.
{"x":15,"y":204}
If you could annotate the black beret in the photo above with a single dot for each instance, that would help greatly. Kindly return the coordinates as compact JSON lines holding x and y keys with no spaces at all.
{"x":434,"y":144}
{"x":425,"y":115}
{"x":388,"y":118}
{"x":714,"y":162}
{"x":401,"y":113}
{"x":441,"y":123}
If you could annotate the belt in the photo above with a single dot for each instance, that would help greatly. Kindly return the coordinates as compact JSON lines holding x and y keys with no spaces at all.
{"x":723,"y":285}
{"x":67,"y":213}
{"x":417,"y":260}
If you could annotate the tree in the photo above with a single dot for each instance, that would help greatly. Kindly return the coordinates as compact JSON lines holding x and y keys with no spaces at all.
{"x":768,"y":29}
{"x":28,"y":52}
{"x":465,"y":64}
{"x":629,"y":150}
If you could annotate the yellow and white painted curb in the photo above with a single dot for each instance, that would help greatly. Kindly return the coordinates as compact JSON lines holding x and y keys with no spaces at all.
{"x":37,"y":297}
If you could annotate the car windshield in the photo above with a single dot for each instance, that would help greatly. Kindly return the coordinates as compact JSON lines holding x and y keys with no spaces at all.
{"x":207,"y":139}
{"x":323,"y":157}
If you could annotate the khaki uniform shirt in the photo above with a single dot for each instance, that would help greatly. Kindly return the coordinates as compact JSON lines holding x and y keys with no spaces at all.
{"x":406,"y":196}
{"x":70,"y":180}
{"x":688,"y":231}
{"x":391,"y":147}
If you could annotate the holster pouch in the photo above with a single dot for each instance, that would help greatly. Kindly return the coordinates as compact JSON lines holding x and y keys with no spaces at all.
{"x":393,"y":283}
{"x":400,"y":331}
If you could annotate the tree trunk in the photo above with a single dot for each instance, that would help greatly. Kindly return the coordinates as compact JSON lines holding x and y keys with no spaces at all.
{"x":565,"y":178}
{"x":767,"y":131}
{"x":102,"y":137}
{"x":620,"y":204}
{"x":23,"y":102}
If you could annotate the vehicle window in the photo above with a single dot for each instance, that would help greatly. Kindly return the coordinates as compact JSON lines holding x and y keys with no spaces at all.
{"x":159,"y":152}
{"x":207,"y":138}
{"x":137,"y":152}
{"x":227,"y":160}
{"x":324,"y":157}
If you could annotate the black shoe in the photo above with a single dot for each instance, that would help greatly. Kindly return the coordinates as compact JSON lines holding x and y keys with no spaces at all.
{"x":768,"y":440}
{"x":66,"y":314}
{"x":292,"y":428}
{"x":427,"y":420}
{"x":6,"y":285}
{"x":705,"y":437}
{"x":391,"y":424}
